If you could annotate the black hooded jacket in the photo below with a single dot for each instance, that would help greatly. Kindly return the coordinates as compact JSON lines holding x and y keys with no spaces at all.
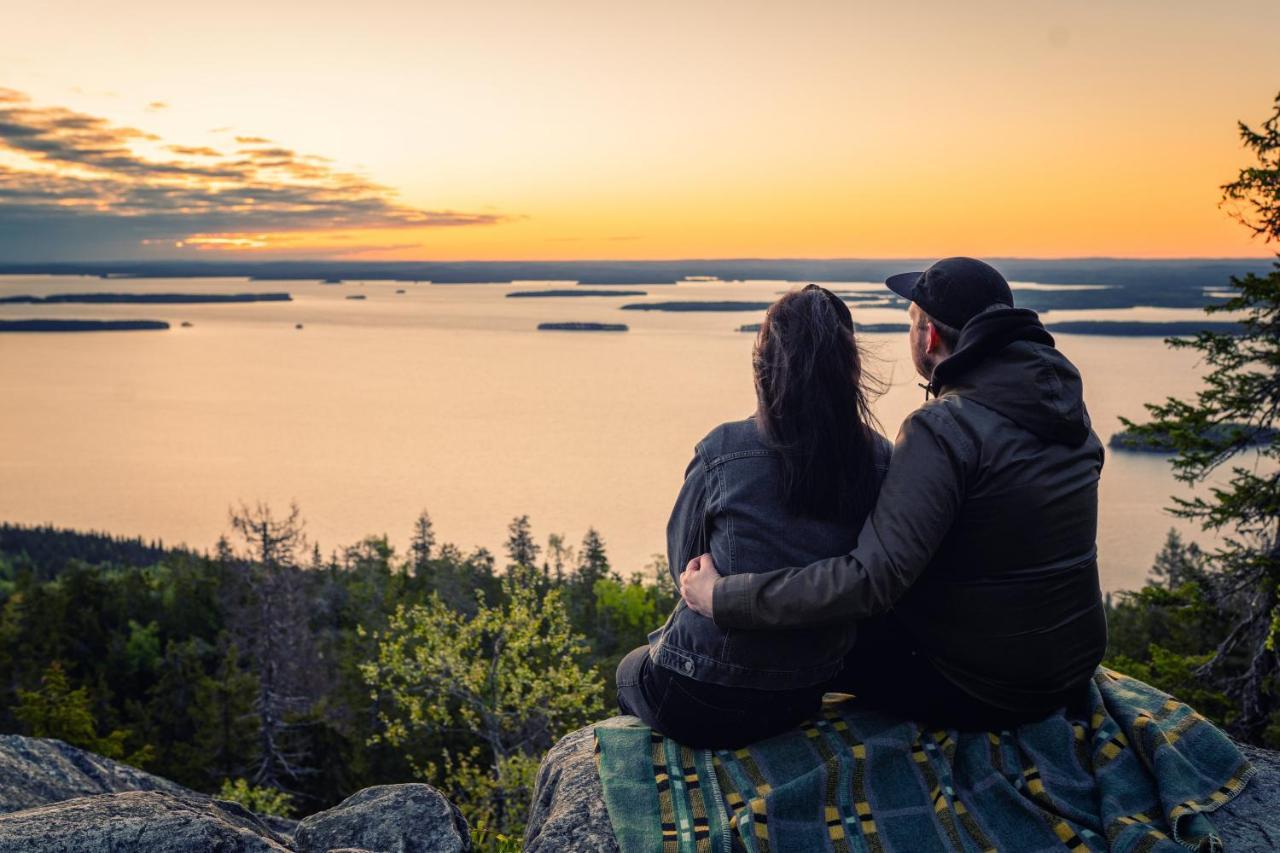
{"x":983,"y":541}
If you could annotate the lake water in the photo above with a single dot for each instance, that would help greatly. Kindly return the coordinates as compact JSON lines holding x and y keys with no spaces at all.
{"x":445,"y":397}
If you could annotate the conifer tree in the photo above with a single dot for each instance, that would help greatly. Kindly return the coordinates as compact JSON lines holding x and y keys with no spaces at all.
{"x":521,"y":548}
{"x":1235,"y":420}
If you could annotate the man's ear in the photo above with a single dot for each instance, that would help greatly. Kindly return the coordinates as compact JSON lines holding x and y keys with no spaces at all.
{"x":933,"y":341}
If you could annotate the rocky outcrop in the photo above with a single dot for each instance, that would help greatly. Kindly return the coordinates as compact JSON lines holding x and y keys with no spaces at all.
{"x":59,"y":798}
{"x":1251,"y":822}
{"x":38,"y":771}
{"x":569,"y":813}
{"x":411,"y":818}
{"x":154,"y":821}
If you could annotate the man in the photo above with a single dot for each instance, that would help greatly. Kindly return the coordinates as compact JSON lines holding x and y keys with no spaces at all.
{"x":975,"y":579}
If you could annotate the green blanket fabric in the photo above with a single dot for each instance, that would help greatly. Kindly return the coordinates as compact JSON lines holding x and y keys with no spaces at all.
{"x":1140,"y":775}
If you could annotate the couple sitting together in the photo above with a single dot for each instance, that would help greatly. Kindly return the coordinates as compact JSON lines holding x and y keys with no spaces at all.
{"x":950,"y":577}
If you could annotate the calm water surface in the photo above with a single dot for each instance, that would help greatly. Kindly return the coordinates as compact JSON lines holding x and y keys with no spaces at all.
{"x":445,"y":397}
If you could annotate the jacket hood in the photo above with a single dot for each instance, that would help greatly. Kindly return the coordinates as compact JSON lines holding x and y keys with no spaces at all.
{"x":1006,"y":360}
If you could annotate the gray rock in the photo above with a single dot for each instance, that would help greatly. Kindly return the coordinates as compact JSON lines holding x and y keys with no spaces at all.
{"x":154,"y":821}
{"x":1251,"y":822}
{"x":411,"y":818}
{"x":568,"y":811}
{"x":569,"y":815}
{"x":37,"y":771}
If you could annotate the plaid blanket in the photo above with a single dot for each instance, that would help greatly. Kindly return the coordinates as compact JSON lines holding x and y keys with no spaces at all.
{"x":1140,"y":775}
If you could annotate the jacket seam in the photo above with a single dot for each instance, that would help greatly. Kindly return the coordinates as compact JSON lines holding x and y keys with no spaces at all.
{"x":947,"y":422}
{"x":717,"y":461}
{"x":733,"y":550}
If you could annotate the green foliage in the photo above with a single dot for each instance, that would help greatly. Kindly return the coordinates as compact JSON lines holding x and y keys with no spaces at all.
{"x":493,"y":794}
{"x":143,"y":646}
{"x":1177,"y":675}
{"x":56,"y":710}
{"x":261,"y":800}
{"x":511,"y":677}
{"x":164,"y":663}
{"x":1235,"y":417}
{"x":484,"y":840}
{"x":624,"y":615}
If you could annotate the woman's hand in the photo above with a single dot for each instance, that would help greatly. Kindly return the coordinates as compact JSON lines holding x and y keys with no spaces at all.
{"x":698,"y":583}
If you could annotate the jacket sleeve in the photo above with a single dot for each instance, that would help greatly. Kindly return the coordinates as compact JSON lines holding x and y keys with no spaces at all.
{"x":918,"y":502}
{"x":684,"y":529}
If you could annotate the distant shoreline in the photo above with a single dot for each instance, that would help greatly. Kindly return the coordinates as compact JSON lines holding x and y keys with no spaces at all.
{"x":696,"y":305}
{"x":562,"y":294}
{"x":1141,"y":329}
{"x":1160,"y":443}
{"x":865,"y":328}
{"x":144,"y":298}
{"x":582,"y":327}
{"x":82,"y":325}
{"x":1160,"y":274}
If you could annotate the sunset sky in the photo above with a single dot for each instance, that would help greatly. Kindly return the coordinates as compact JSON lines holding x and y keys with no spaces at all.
{"x":557,"y":129}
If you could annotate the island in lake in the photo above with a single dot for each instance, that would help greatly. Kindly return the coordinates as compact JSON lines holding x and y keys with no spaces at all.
{"x":534,"y":294}
{"x":1138,"y":329}
{"x":582,"y":327}
{"x":82,"y":325}
{"x":693,"y":305}
{"x":1160,"y":442}
{"x":143,"y":298}
{"x":869,"y":328}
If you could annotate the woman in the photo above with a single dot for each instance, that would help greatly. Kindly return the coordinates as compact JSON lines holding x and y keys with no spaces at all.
{"x":787,"y":486}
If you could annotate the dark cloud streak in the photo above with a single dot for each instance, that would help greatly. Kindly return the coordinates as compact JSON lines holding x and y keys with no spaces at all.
{"x":88,"y":171}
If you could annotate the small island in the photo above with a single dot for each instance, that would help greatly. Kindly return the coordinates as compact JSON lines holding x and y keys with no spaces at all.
{"x":82,"y":325}
{"x":696,"y":306}
{"x":869,"y":328}
{"x":882,"y":328}
{"x":1138,"y":329}
{"x":144,"y":298}
{"x":534,"y":294}
{"x":626,"y":283}
{"x":1127,"y":439}
{"x":582,"y":327}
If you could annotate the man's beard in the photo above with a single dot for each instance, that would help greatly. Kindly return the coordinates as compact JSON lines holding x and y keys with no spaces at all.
{"x":925,"y":363}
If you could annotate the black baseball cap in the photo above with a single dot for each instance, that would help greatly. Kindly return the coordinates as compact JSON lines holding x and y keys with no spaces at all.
{"x":954,"y":290}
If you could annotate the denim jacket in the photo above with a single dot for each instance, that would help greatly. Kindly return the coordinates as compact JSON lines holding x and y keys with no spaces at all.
{"x":731,"y":505}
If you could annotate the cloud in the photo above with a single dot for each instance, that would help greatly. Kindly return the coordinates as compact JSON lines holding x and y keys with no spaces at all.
{"x":73,"y":176}
{"x":194,"y":151}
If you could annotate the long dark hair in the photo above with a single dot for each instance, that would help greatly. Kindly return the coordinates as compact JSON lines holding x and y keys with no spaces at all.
{"x":813,"y":407}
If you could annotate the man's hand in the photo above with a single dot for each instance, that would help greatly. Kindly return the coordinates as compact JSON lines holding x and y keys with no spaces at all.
{"x":698,"y":583}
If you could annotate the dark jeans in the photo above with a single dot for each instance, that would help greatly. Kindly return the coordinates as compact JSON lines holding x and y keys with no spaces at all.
{"x":704,"y":715}
{"x":884,"y":670}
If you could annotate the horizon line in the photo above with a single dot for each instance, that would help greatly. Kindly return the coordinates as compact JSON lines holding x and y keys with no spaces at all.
{"x":1274,"y":256}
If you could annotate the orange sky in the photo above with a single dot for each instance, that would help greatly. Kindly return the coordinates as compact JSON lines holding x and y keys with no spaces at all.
{"x":683,"y":129}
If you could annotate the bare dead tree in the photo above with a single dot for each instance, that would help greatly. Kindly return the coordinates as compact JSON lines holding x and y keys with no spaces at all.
{"x":276,"y":633}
